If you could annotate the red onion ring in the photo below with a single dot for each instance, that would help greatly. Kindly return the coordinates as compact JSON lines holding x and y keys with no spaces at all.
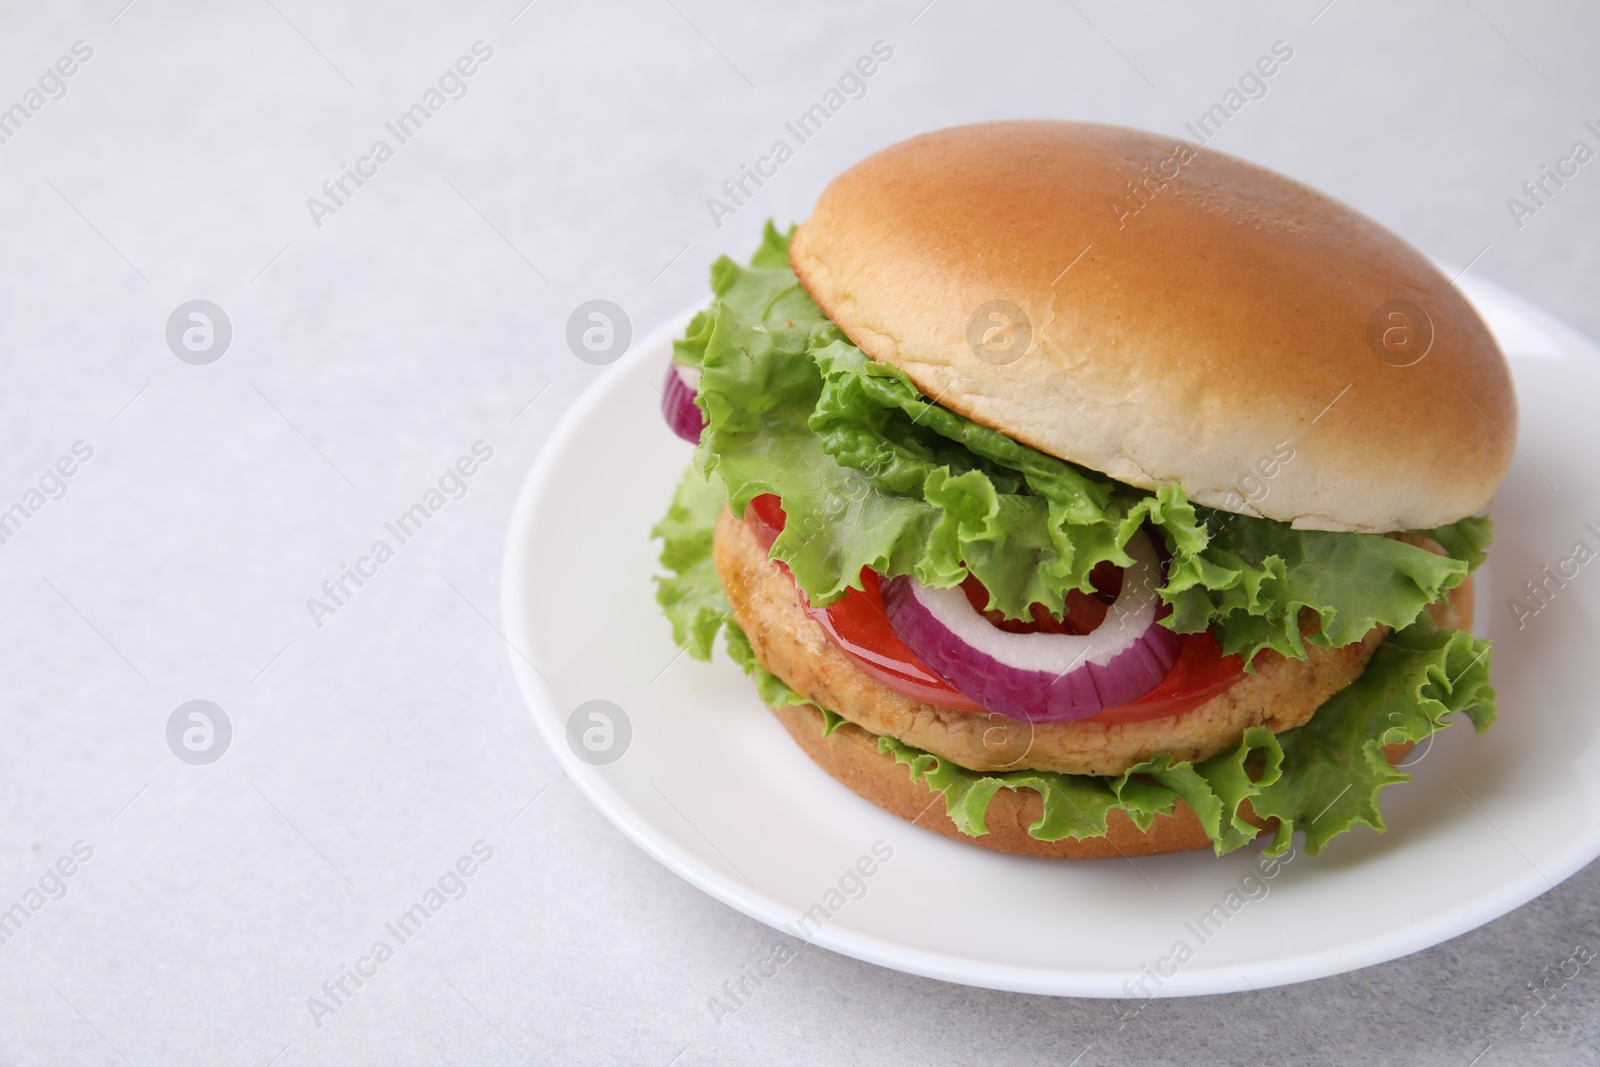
{"x":683,"y":415}
{"x":1042,"y":677}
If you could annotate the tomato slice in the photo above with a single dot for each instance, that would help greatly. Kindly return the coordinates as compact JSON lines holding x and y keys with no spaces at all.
{"x":764,"y":515}
{"x":1201,"y":673}
{"x":858,"y":625}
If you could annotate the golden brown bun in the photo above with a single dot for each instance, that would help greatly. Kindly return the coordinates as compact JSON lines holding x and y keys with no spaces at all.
{"x":1212,"y":319}
{"x":851,"y":756}
{"x":1282,"y":694}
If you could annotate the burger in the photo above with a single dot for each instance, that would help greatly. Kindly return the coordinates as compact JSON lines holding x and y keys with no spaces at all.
{"x":1075,"y":492}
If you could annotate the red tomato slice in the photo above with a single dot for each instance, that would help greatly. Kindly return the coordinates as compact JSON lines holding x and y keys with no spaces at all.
{"x":858,"y":625}
{"x":764,"y":515}
{"x":1201,"y":673}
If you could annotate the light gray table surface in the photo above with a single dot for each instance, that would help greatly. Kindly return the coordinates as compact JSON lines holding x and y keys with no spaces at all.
{"x":374,"y":343}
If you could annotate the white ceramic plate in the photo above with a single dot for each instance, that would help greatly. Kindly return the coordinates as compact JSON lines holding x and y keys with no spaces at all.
{"x":712,"y":787}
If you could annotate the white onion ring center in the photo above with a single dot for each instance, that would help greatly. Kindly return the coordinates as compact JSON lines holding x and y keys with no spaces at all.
{"x":1043,"y":677}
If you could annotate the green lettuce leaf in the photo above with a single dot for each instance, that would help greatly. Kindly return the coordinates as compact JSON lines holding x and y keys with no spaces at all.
{"x":873,"y":474}
{"x":690,"y":596}
{"x":1417,"y":677}
{"x":1465,"y":540}
{"x":1352,"y":582}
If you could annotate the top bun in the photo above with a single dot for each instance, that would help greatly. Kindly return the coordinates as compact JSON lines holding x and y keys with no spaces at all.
{"x":1162,"y":312}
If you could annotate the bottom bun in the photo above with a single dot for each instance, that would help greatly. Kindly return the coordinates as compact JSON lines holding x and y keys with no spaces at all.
{"x":851,"y":755}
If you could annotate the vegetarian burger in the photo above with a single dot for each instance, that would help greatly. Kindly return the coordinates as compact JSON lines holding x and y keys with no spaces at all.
{"x":1075,"y":492}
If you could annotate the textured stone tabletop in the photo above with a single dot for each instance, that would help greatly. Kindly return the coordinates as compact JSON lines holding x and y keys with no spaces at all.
{"x":380,"y":320}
